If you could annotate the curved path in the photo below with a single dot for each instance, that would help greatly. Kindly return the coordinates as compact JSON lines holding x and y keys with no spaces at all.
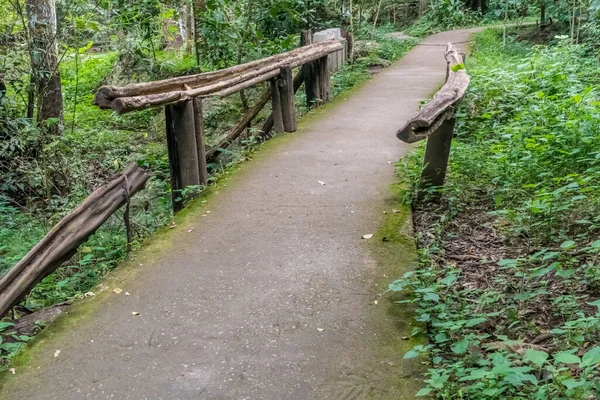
{"x":271,"y":294}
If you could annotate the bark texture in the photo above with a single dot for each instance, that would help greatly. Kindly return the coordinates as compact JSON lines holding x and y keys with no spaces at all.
{"x":433,"y":114}
{"x":218,"y":83}
{"x":41,"y":15}
{"x":62,"y":241}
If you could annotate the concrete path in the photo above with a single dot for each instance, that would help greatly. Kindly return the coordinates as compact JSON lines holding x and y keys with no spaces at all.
{"x":271,"y":294}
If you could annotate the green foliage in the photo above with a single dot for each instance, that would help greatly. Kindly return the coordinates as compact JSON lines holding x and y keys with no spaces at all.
{"x":526,"y":151}
{"x":443,"y":15}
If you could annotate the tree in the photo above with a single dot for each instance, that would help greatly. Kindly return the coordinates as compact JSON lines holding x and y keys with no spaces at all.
{"x":41,"y":16}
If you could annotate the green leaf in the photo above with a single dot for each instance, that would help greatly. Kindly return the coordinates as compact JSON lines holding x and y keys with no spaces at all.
{"x":536,"y":357}
{"x":441,"y":337}
{"x":572,"y":383}
{"x":457,"y":67}
{"x":424,"y":391}
{"x":460,"y":347}
{"x":475,"y":375}
{"x":4,"y":325}
{"x":507,"y":262}
{"x":543,"y":271}
{"x":567,"y":244}
{"x":449,"y":280}
{"x":411,"y":354}
{"x":475,"y":321}
{"x":591,"y":357}
{"x":431,"y":297}
{"x":566,"y":358}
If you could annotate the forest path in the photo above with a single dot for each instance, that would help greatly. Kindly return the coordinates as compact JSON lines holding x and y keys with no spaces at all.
{"x":271,"y":294}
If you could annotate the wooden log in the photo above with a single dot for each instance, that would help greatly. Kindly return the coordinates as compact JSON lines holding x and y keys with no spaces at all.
{"x":311,"y":86}
{"x":437,"y":153}
{"x":176,"y":187}
{"x":241,"y":126}
{"x":220,"y":87}
{"x":286,"y":91}
{"x":433,"y":113}
{"x":61,"y":243}
{"x":276,"y":106}
{"x":28,"y":325}
{"x":200,"y":143}
{"x":324,"y":82}
{"x":108,"y":93}
{"x":185,"y":137}
{"x":268,"y":124}
{"x":245,"y":85}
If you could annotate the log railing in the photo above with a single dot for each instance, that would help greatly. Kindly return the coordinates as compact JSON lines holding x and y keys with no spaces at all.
{"x":188,"y":158}
{"x":61,"y":243}
{"x":435,"y":121}
{"x":182,"y":99}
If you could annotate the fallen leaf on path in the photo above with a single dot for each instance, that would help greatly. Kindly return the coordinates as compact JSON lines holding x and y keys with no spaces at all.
{"x":375,"y":302}
{"x":395,"y":211}
{"x":117,"y":290}
{"x":367,"y":236}
{"x":56,"y":353}
{"x":89,"y":294}
{"x":12,"y":371}
{"x":127,"y":294}
{"x":322,"y":183}
{"x":172,"y":226}
{"x":320,"y":329}
{"x":404,"y":338}
{"x":135,"y":313}
{"x":190,"y":231}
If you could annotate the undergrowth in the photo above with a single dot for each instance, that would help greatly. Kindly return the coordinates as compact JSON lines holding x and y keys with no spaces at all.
{"x":509,"y":280}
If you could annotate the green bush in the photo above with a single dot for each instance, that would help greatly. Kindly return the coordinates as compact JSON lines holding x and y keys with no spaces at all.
{"x":528,"y":152}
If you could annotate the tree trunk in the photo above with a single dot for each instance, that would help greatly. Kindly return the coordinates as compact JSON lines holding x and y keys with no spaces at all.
{"x":422,"y":7}
{"x":377,"y":15}
{"x":198,"y":8}
{"x":44,"y":60}
{"x":189,"y":27}
{"x":542,"y":14}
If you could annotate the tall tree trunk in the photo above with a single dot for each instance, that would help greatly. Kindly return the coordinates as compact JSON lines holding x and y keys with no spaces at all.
{"x":422,"y":7}
{"x":542,"y":13}
{"x":198,"y":7}
{"x":44,"y":61}
{"x":189,"y":27}
{"x":359,"y":16}
{"x":377,"y":15}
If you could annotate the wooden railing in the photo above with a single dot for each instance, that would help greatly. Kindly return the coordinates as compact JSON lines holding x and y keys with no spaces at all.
{"x":188,"y":158}
{"x":182,"y":98}
{"x":435,"y":121}
{"x":61,"y":243}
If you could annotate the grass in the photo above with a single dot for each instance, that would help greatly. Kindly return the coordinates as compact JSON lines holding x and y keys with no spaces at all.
{"x":508,"y":284}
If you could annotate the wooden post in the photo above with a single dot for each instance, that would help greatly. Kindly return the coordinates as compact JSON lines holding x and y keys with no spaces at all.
{"x":183,"y":151}
{"x":324,"y":86}
{"x":276,"y":105}
{"x":309,"y":73}
{"x":173,"y":160}
{"x":200,"y":144}
{"x":437,"y":153}
{"x":286,"y":92}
